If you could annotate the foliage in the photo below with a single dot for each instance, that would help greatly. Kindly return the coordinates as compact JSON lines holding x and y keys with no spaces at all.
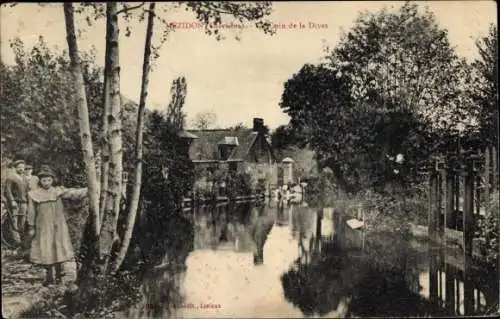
{"x":212,"y":14}
{"x":356,"y":141}
{"x":164,"y":149}
{"x":487,"y":232}
{"x":103,"y":300}
{"x":38,"y":120}
{"x":375,"y":285}
{"x":322,"y":190}
{"x":161,"y":198}
{"x":403,"y":60}
{"x":381,"y":95}
{"x":285,"y":136}
{"x":239,"y":126}
{"x":484,"y":91}
{"x":239,"y":184}
{"x":204,"y":120}
{"x":178,"y":93}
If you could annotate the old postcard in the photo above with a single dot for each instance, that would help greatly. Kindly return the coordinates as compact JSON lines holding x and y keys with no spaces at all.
{"x":232,"y":159}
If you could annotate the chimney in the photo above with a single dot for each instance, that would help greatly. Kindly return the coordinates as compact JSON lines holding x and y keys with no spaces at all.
{"x":258,"y":124}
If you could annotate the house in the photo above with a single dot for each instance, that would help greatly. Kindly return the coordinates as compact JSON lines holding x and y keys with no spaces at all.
{"x":234,"y":150}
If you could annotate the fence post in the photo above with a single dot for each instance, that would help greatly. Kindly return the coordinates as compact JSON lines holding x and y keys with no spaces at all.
{"x":432,"y":206}
{"x":433,"y":277}
{"x":450,"y":287}
{"x":468,"y":233}
{"x":468,"y":224}
{"x":457,"y":194}
{"x":439,"y":206}
{"x":450,"y":197}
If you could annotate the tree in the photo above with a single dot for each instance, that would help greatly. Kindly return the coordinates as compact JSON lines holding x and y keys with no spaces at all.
{"x":380,"y":94}
{"x":204,"y":120}
{"x":403,"y":60}
{"x":85,"y":135}
{"x":178,"y":92}
{"x":37,"y":121}
{"x":238,"y":126}
{"x":113,"y":123}
{"x":137,"y":180}
{"x":485,"y":89}
{"x":284,"y":136}
{"x":210,"y":14}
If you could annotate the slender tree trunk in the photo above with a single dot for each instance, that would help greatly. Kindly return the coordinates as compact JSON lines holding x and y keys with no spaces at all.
{"x":92,"y":228}
{"x":137,"y":179}
{"x":105,"y":127}
{"x":109,"y":233}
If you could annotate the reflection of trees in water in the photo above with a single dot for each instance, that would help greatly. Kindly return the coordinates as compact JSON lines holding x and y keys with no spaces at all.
{"x":371,"y":289}
{"x":318,"y":286}
{"x":161,"y":296}
{"x":161,"y":236}
{"x":302,"y":221}
{"x":260,"y":227}
{"x":283,"y":212}
{"x":166,"y":239}
{"x":245,"y":223}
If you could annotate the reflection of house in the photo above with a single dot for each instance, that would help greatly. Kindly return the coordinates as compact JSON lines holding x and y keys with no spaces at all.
{"x":239,"y":150}
{"x":287,"y":167}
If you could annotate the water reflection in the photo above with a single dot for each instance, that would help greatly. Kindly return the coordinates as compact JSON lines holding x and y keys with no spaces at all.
{"x":282,"y":260}
{"x":386,"y":277}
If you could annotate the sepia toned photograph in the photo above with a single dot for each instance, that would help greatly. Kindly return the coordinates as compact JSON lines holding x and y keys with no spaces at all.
{"x":232,"y":159}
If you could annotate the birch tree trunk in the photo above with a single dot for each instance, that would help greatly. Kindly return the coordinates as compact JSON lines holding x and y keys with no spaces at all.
{"x":113,"y":192}
{"x":104,"y":168}
{"x":92,"y":228}
{"x":137,"y":179}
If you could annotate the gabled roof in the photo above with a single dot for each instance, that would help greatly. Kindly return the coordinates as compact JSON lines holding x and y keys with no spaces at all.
{"x":205,"y":147}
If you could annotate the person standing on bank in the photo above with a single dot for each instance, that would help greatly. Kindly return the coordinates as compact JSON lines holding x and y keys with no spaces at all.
{"x":31,"y":180}
{"x":15,"y":194}
{"x":51,"y":244}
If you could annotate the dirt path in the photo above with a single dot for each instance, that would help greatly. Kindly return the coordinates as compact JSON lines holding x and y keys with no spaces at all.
{"x":22,"y":284}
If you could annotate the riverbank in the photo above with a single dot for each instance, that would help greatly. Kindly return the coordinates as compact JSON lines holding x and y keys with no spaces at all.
{"x":22,"y":287}
{"x":24,"y":296}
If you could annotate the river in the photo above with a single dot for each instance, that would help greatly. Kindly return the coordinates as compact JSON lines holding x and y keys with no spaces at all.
{"x":293,"y":261}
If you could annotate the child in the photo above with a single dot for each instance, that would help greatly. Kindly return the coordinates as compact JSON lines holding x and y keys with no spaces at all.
{"x":51,"y":245}
{"x":31,"y":180}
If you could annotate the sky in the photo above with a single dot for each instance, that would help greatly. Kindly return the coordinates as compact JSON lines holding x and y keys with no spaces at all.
{"x":236,"y":80}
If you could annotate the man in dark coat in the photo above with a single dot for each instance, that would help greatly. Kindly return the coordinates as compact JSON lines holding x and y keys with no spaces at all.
{"x":15,"y":193}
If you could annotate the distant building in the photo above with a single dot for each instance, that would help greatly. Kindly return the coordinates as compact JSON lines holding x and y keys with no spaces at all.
{"x":234,"y":150}
{"x":287,"y":166}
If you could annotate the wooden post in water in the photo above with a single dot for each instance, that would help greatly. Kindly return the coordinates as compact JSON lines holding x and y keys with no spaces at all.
{"x":468,"y":227}
{"x":450,"y":189}
{"x":468,"y":233}
{"x":477,"y":201}
{"x":450,"y":288}
{"x":433,"y":211}
{"x":319,"y":217}
{"x":433,"y":277}
{"x":439,"y":209}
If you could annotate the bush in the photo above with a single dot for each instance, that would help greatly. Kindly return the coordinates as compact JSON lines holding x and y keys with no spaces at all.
{"x":239,"y":184}
{"x":99,"y":299}
{"x":487,"y":232}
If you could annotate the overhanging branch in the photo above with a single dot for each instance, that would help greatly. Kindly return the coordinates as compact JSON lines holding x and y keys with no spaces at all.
{"x":128,"y":9}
